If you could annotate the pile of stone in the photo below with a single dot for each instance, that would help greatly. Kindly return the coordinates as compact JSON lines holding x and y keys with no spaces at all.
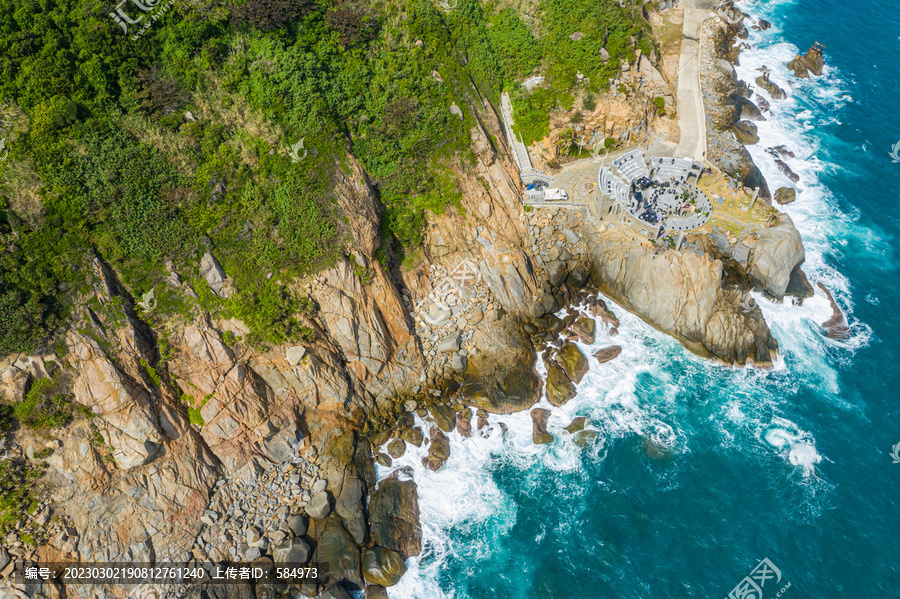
{"x":554,"y":234}
{"x":445,"y":318}
{"x":263,"y":517}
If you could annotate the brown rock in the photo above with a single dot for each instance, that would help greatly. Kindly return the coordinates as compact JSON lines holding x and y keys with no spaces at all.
{"x":438,"y":451}
{"x":608,"y":353}
{"x":573,"y":362}
{"x":396,"y":448}
{"x":413,"y":436}
{"x":576,"y":425}
{"x":444,"y":417}
{"x":559,"y":388}
{"x":584,"y":328}
{"x":394,"y":516}
{"x":539,"y":418}
{"x":464,"y":422}
{"x":382,"y":566}
{"x":836,"y":326}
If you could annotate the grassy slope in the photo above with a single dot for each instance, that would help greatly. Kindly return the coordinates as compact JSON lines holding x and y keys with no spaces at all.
{"x":104,"y":157}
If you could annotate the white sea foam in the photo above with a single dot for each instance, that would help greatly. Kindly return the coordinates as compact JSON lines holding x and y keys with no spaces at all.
{"x":641,"y":391}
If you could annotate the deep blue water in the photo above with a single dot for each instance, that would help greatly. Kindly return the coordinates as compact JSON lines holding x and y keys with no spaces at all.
{"x":700,"y":472}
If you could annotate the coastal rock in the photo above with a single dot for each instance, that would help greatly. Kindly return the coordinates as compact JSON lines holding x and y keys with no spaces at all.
{"x":584,"y":329}
{"x":539,"y":417}
{"x":748,"y":110}
{"x":573,"y":362}
{"x":464,"y":422}
{"x":836,"y":327}
{"x":770,"y":86}
{"x":799,"y":286}
{"x":292,"y":551}
{"x":608,"y":353}
{"x":501,"y":377}
{"x":601,"y":311}
{"x":584,"y":438}
{"x":745,"y":132}
{"x":382,"y":566}
{"x":811,"y":62}
{"x":413,"y":436}
{"x":374,"y":591}
{"x":559,"y":388}
{"x":683,"y":294}
{"x":319,"y":506}
{"x":394,"y":517}
{"x":396,"y":448}
{"x":336,"y":548}
{"x":778,"y":252}
{"x":785,"y":195}
{"x":576,"y":425}
{"x":438,"y":451}
{"x":444,"y":417}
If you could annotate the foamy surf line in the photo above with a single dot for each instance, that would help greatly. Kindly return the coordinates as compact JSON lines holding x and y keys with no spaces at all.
{"x":823,"y":226}
{"x":463,"y":494}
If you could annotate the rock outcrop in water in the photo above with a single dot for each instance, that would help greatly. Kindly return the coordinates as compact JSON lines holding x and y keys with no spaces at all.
{"x":811,"y":62}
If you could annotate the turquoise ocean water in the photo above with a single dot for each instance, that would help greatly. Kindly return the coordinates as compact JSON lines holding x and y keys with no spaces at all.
{"x":700,"y":472}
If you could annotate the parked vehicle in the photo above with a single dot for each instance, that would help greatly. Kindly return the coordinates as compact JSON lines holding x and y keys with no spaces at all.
{"x":555,"y":193}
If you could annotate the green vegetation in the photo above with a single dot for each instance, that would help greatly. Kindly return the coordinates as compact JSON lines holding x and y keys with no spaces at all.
{"x":44,"y":407}
{"x":143,"y":149}
{"x":16,"y":481}
{"x":660,"y":104}
{"x":195,"y":417}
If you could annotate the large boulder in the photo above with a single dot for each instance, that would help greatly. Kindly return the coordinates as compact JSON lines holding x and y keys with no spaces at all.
{"x":444,"y":417}
{"x":291,"y":551}
{"x":559,"y":388}
{"x":584,"y":328}
{"x":608,"y":353}
{"x":778,"y":252}
{"x":573,"y":362}
{"x":319,"y":506}
{"x":785,"y":195}
{"x":394,"y":517}
{"x":212,"y":271}
{"x":413,"y":436}
{"x":438,"y":451}
{"x":383,"y":567}
{"x":336,"y":548}
{"x":745,"y":132}
{"x":539,"y":435}
{"x":396,"y":448}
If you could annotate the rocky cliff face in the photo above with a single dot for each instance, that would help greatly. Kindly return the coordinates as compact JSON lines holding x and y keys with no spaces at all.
{"x":684,"y":294}
{"x":275,"y":456}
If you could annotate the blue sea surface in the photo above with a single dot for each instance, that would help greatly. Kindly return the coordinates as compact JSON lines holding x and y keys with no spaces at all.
{"x":700,"y":472}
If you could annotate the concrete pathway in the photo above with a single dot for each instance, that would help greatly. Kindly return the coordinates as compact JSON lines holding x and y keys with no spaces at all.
{"x":520,"y":152}
{"x":691,"y":116}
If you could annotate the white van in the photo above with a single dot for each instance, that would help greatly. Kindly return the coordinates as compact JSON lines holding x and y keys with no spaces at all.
{"x":555,"y":193}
